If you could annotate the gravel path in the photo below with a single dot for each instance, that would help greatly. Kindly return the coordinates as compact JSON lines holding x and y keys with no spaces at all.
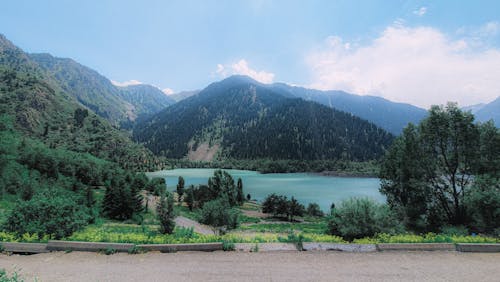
{"x":240,"y":266}
{"x":198,"y":227}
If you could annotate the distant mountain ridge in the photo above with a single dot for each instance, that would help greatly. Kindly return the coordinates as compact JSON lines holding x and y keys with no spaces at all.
{"x":91,"y":89}
{"x":241,"y":118}
{"x":389,"y":115}
{"x":490,"y":111}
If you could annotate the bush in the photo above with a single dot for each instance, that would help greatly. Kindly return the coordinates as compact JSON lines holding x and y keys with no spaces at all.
{"x":219,"y":215}
{"x":361,"y":217}
{"x":228,"y":246}
{"x":483,"y":204}
{"x":51,"y":213}
{"x":313,"y":209}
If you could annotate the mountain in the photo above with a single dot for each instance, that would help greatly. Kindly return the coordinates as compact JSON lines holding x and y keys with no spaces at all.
{"x":390,"y":116}
{"x":183,"y":95}
{"x":474,"y":108}
{"x":146,"y":99}
{"x":243,"y":119}
{"x":39,"y":105}
{"x":490,"y":111}
{"x":116,"y":104}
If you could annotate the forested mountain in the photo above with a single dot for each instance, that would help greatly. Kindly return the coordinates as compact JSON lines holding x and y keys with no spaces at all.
{"x":146,"y":99}
{"x":490,"y":111}
{"x":388,"y":115}
{"x":241,"y":118}
{"x":116,"y":104}
{"x":41,"y":108}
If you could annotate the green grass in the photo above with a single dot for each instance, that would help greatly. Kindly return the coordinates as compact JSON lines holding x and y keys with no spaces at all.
{"x":307,"y":227}
{"x":248,"y":219}
{"x":184,"y":211}
{"x":427,"y":238}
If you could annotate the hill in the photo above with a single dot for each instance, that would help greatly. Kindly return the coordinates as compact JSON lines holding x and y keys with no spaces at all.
{"x":243,"y":119}
{"x":41,"y":108}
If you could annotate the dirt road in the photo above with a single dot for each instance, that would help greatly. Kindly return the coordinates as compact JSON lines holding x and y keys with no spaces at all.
{"x":197,"y":227}
{"x":237,"y":266}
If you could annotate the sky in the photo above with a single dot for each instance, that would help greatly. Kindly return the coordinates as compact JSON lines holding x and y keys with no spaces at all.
{"x":418,"y":52}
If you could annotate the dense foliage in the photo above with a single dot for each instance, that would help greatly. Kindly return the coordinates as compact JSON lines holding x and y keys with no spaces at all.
{"x":219,"y":214}
{"x":49,"y":212}
{"x":361,"y":217}
{"x":280,"y":206}
{"x":41,"y":108}
{"x":328,"y":167}
{"x":251,"y":121}
{"x":444,"y":172}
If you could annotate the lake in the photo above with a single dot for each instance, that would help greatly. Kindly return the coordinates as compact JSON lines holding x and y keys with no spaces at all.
{"x":305,"y":187}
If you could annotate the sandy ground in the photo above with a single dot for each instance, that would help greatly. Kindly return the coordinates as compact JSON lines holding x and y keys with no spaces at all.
{"x":239,"y":266}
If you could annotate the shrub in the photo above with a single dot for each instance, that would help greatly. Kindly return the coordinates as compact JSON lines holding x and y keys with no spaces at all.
{"x":4,"y":277}
{"x":52,"y":213}
{"x":361,"y":217}
{"x":483,"y":204}
{"x":108,"y":251}
{"x":136,"y":250}
{"x":313,"y":209}
{"x":219,"y":215}
{"x":228,"y":246}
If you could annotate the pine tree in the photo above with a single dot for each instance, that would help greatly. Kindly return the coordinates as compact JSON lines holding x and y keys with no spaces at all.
{"x":180,"y":188}
{"x":240,"y":198}
{"x":165,"y":213}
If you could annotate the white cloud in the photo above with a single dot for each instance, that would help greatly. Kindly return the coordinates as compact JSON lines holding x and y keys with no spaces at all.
{"x":418,"y":65}
{"x":126,"y":83}
{"x":168,"y":91}
{"x":241,"y":67}
{"x":420,"y":12}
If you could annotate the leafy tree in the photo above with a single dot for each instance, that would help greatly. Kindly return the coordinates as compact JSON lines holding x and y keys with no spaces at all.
{"x":180,"y":188}
{"x":219,"y":214}
{"x":403,"y":179}
{"x":361,"y":217}
{"x":295,"y":208}
{"x":428,"y":171}
{"x":165,"y":213}
{"x":313,"y":209}
{"x":249,"y":197}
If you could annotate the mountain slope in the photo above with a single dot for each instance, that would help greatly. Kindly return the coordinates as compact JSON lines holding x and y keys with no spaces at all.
{"x":490,"y":111}
{"x":42,"y":109}
{"x":89,"y":87}
{"x":146,"y":99}
{"x":391,"y":116}
{"x":96,"y":92}
{"x":183,"y":95}
{"x":241,"y":118}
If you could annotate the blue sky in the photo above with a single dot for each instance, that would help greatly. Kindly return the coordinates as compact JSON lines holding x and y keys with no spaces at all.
{"x":420,"y":52}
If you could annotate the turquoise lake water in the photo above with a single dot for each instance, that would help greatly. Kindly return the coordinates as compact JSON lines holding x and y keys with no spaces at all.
{"x":305,"y":187}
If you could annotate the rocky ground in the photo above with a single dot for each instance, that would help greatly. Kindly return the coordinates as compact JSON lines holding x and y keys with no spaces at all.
{"x":244,"y":266}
